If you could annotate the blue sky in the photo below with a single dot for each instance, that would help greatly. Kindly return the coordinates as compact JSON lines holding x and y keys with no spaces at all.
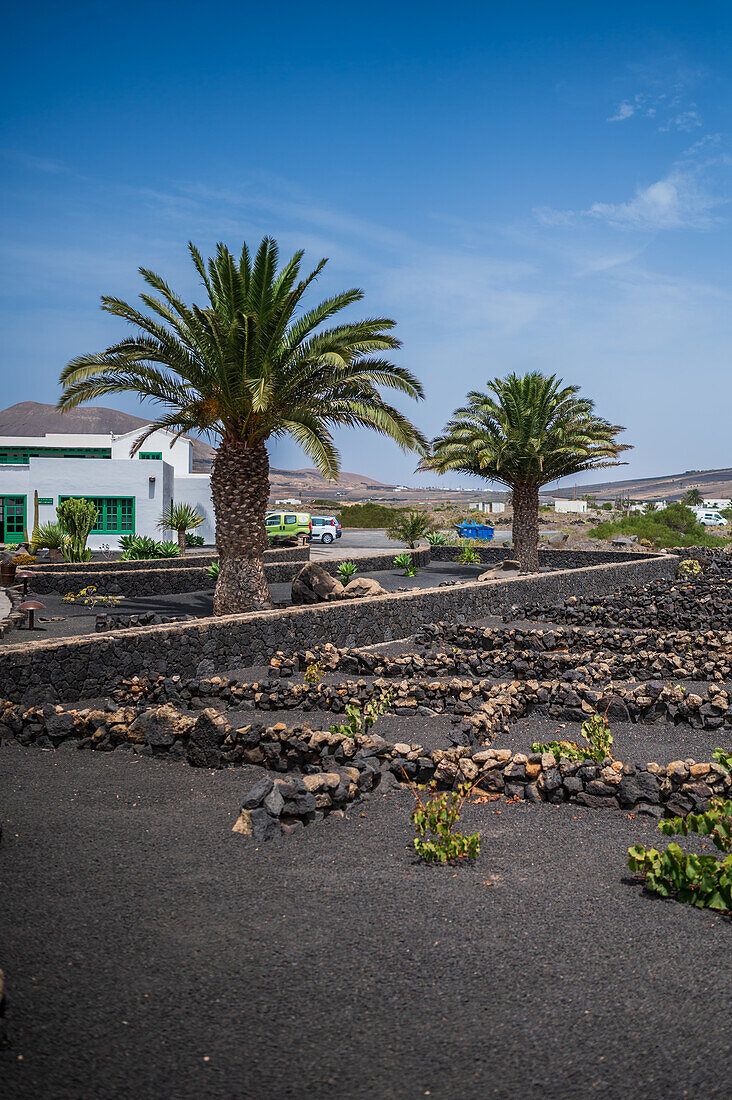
{"x":525,"y":186}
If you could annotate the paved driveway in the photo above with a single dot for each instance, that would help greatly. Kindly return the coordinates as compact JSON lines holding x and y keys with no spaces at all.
{"x":359,"y":543}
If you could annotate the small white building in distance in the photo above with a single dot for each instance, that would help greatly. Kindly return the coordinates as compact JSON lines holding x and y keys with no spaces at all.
{"x":492,"y":506}
{"x":130,"y":493}
{"x":718,"y":503}
{"x":570,"y":505}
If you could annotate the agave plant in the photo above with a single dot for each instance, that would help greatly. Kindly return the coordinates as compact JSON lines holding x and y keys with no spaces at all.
{"x":346,"y":570}
{"x":48,"y":536}
{"x":406,"y":562}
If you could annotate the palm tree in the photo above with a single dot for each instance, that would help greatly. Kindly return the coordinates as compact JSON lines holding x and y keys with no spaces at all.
{"x":693,"y":498}
{"x":180,"y":518}
{"x":526,"y":432}
{"x":410,"y":527}
{"x":248,"y":366}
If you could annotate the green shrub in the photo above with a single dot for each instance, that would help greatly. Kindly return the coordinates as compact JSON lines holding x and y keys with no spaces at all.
{"x":672,"y":526}
{"x":689,"y":568}
{"x":313,"y":673}
{"x":362,"y":719}
{"x":701,"y":880}
{"x":346,"y":571}
{"x":437,"y":538}
{"x":194,"y":540}
{"x":724,"y":759}
{"x":468,"y":555}
{"x":367,"y":515}
{"x":438,"y":817}
{"x":213,"y":571}
{"x":598,"y":742}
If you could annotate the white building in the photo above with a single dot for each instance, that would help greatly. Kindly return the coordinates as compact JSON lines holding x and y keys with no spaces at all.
{"x":130,"y":493}
{"x":718,"y":503}
{"x":492,"y":506}
{"x":570,"y":505}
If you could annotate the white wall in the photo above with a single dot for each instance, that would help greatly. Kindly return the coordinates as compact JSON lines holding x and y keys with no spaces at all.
{"x":179,"y":456}
{"x":98,"y":477}
{"x":718,"y":503}
{"x":196,"y":491}
{"x":570,"y":505}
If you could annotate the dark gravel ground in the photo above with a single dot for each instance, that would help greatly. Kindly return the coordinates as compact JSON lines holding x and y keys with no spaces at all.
{"x":430,"y":732}
{"x":633,"y":741}
{"x":62,"y":620}
{"x":150,"y":952}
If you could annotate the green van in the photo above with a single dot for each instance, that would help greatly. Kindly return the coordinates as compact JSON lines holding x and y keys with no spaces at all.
{"x":287,"y":525}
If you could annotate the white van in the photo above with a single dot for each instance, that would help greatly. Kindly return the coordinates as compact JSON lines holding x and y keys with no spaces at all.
{"x":325,"y":529}
{"x":708,"y":517}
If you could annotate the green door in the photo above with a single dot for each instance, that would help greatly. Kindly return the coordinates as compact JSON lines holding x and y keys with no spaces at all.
{"x":14,"y":519}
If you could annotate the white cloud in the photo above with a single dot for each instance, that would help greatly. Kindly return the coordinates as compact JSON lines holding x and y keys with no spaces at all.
{"x":625,"y":110}
{"x":687,"y":197}
{"x":671,"y":108}
{"x":675,"y":202}
{"x":686,"y":121}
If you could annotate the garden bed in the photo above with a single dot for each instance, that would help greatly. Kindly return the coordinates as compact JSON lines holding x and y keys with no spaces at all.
{"x":207,"y":966}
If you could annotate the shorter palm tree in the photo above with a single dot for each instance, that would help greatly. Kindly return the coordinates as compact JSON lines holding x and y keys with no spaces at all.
{"x":693,"y":498}
{"x":527,"y":432}
{"x":410,"y":528}
{"x":180,"y":518}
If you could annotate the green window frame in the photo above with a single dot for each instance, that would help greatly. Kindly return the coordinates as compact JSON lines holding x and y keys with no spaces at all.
{"x":152,"y":455}
{"x":14,"y":510}
{"x":116,"y":514}
{"x":20,"y":456}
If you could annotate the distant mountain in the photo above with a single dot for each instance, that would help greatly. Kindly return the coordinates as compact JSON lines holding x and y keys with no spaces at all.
{"x":34,"y":418}
{"x":710,"y":483}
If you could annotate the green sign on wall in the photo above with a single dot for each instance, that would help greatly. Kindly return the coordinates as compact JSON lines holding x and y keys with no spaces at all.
{"x":45,"y":500}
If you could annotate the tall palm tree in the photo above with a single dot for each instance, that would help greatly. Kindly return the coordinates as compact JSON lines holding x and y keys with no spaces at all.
{"x":526,"y":432}
{"x":247,"y":366}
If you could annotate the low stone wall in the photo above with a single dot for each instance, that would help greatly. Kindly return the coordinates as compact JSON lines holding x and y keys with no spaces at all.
{"x":193,"y":558}
{"x":136,"y":580}
{"x":327,"y":770}
{"x":73,"y":668}
{"x":446,"y":650}
{"x":552,"y":559}
{"x":483,"y":707}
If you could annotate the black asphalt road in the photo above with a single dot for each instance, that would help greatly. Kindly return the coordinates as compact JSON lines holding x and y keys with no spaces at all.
{"x":149,"y":952}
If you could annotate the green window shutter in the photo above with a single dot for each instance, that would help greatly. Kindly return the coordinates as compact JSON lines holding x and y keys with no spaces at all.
{"x":116,"y":515}
{"x":152,"y":455}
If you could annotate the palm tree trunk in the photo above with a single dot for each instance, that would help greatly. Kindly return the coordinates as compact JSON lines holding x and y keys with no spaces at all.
{"x":240,"y":492}
{"x":526,"y":527}
{"x":182,"y":541}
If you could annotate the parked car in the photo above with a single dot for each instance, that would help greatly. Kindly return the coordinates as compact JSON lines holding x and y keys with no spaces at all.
{"x":708,"y":517}
{"x":284,"y":526}
{"x":325,"y":529}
